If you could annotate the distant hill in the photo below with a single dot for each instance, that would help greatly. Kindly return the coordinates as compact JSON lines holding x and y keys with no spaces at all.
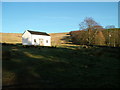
{"x":56,"y":38}
{"x":59,"y":38}
{"x":11,"y":37}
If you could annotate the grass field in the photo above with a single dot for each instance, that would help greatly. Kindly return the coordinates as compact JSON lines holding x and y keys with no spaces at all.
{"x":11,"y":37}
{"x":60,"y":67}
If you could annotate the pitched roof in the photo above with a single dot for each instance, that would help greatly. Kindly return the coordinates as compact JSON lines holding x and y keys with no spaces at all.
{"x":38,"y":33}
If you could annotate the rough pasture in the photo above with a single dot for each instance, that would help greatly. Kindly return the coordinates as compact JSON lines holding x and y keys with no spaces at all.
{"x":60,"y":67}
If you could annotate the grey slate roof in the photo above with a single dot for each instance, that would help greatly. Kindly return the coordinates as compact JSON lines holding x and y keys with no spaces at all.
{"x":38,"y":33}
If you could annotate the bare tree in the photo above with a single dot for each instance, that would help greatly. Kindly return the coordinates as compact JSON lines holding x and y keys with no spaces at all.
{"x":89,"y":24}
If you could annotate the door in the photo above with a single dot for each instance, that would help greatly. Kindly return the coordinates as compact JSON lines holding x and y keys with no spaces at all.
{"x":41,"y":42}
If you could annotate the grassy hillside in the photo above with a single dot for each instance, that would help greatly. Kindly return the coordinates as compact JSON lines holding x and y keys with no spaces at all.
{"x":56,"y":38}
{"x":11,"y":37}
{"x":60,"y":67}
{"x":59,"y":38}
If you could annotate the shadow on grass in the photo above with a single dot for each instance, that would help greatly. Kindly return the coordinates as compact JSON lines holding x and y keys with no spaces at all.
{"x":60,"y":67}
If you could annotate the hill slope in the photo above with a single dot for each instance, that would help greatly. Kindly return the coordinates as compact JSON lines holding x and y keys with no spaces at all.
{"x":11,"y":38}
{"x":56,"y":38}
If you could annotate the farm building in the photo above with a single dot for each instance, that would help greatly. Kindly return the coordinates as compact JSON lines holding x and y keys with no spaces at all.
{"x":36,"y":38}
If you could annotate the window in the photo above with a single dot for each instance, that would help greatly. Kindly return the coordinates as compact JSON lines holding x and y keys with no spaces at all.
{"x":34,"y":40}
{"x":46,"y":41}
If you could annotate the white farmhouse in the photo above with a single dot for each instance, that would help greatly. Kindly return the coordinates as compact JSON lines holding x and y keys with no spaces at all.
{"x":36,"y":38}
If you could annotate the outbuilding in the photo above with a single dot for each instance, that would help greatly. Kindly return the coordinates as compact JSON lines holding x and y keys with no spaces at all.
{"x":36,"y":38}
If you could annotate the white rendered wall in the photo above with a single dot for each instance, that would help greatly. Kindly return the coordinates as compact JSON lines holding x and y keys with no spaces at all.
{"x":38,"y":37}
{"x":26,"y":38}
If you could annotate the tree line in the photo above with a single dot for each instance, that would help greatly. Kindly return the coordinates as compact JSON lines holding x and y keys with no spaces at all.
{"x":91,"y":33}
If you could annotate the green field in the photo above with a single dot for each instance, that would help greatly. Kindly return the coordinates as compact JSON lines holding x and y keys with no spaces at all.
{"x":60,"y":67}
